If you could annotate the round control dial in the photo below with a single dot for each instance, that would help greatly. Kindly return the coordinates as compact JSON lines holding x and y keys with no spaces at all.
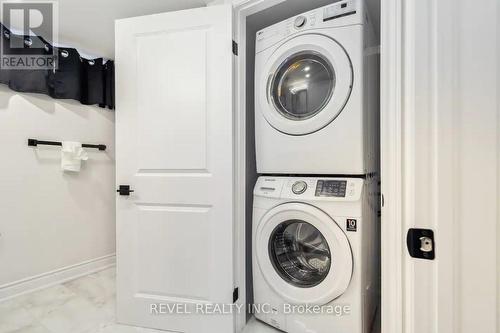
{"x":300,"y":21}
{"x":299,"y":187}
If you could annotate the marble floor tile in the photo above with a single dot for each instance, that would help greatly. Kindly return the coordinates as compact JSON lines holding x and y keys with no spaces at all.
{"x":84,"y":305}
{"x":14,"y":317}
{"x":43,"y":302}
{"x":98,"y":288}
{"x":32,"y":329}
{"x":76,"y":316}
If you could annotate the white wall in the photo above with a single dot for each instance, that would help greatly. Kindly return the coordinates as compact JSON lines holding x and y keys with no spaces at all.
{"x":49,"y":219}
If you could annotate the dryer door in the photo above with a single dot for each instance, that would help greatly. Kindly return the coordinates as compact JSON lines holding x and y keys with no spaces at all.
{"x":303,"y":254}
{"x":305,"y":84}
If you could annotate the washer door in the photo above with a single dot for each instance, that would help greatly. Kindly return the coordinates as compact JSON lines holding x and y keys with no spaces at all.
{"x":305,"y":84}
{"x":303,"y":254}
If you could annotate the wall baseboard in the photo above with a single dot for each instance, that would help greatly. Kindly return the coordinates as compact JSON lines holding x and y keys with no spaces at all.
{"x":54,"y":277}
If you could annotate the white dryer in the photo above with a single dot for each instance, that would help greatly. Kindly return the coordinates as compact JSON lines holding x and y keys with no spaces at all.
{"x":316,"y":93}
{"x":315,"y":266}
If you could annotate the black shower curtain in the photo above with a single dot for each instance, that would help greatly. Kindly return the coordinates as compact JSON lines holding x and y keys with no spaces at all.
{"x":90,"y":81}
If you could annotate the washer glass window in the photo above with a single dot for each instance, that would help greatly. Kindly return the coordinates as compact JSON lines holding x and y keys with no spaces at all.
{"x":303,"y":85}
{"x":299,"y":253}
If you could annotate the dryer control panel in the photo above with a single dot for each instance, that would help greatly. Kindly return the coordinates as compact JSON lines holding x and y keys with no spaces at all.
{"x":341,"y":13}
{"x":339,"y":9}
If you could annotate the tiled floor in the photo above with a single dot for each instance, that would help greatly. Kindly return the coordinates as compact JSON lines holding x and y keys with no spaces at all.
{"x":85,"y":305}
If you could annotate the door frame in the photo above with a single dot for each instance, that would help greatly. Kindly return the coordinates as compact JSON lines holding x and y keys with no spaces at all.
{"x":391,"y":163}
{"x":241,"y":9}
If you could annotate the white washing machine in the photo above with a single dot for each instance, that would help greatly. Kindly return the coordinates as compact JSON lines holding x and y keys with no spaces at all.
{"x":315,"y":254}
{"x":316,"y":93}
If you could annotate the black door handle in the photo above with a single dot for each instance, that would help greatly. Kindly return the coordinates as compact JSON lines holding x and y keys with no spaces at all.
{"x":124,"y":190}
{"x":421,"y":243}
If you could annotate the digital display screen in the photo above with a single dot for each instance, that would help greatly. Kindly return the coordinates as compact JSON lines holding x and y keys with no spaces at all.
{"x":331,"y":188}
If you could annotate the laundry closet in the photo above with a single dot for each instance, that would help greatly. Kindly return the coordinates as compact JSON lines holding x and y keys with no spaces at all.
{"x":312,"y":140}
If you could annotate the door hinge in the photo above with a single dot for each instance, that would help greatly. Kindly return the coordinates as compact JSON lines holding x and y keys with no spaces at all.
{"x":421,"y":244}
{"x":235,"y":48}
{"x":236,"y":294}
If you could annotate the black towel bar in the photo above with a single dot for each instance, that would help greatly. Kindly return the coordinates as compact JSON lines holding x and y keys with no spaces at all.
{"x":35,"y":142}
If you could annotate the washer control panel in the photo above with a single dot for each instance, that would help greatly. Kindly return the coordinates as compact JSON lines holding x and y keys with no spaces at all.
{"x":299,"y":187}
{"x":331,"y":188}
{"x":310,"y":188}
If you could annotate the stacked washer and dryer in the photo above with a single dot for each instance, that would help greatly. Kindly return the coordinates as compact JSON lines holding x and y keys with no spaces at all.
{"x":315,"y":216}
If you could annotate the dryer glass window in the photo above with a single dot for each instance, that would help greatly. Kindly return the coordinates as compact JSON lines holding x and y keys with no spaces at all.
{"x":299,"y":253}
{"x":302,"y":86}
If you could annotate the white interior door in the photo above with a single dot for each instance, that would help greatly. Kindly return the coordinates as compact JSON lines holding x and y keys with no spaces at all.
{"x":175,"y":150}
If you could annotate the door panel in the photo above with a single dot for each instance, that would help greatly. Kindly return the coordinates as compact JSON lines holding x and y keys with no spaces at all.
{"x":173,"y":98}
{"x":159,"y":237}
{"x":174,"y":147}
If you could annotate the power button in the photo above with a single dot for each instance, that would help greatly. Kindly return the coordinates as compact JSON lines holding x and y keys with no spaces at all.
{"x":300,"y":21}
{"x":299,"y":187}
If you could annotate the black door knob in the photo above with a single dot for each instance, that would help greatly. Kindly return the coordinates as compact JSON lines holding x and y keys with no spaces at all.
{"x":124,"y":190}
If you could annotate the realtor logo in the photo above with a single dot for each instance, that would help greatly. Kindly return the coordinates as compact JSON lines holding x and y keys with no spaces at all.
{"x":352,"y":225}
{"x":24,"y":22}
